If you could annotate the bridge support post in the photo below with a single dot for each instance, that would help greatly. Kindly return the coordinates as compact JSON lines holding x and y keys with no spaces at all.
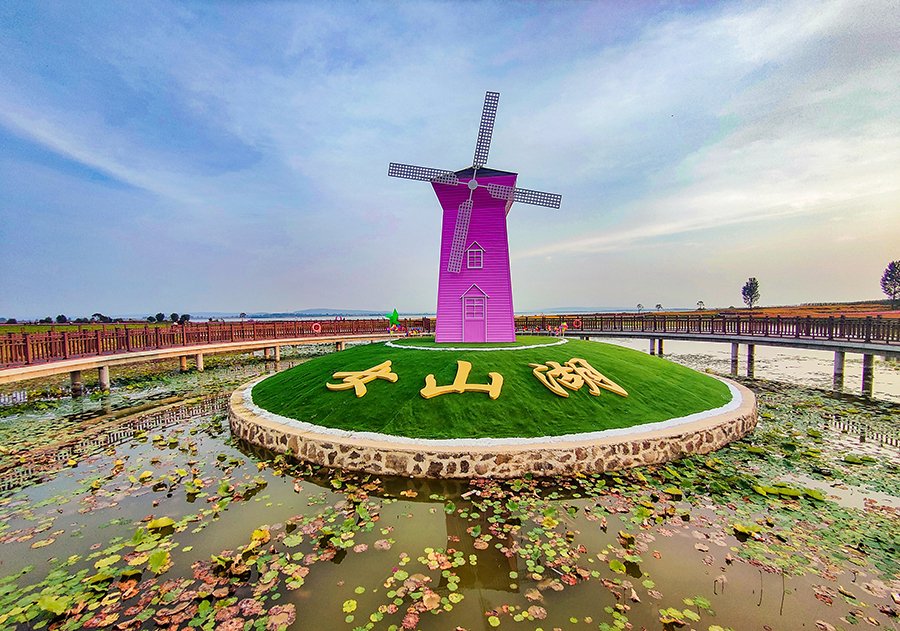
{"x":751,"y":356}
{"x":838,"y":371}
{"x":104,"y":378}
{"x":77,"y":386}
{"x":267,"y":353}
{"x":868,"y":376}
{"x":659,"y":350}
{"x":735,"y":356}
{"x":277,"y":350}
{"x":199,"y":358}
{"x":339,"y":346}
{"x":183,"y":359}
{"x":652,"y":346}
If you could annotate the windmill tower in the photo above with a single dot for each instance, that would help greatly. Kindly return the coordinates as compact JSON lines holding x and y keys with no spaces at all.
{"x":474,"y":285}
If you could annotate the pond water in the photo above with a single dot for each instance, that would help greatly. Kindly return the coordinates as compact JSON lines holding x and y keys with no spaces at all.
{"x":139,"y":511}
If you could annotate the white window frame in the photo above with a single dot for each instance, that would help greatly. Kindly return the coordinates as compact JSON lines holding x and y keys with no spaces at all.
{"x":472,"y":253}
{"x":478,"y":306}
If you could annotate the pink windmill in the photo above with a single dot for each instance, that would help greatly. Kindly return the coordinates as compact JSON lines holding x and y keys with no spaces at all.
{"x":474,"y":285}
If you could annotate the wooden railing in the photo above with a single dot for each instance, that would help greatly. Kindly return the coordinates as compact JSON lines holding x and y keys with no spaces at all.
{"x":875,"y":330}
{"x":19,"y":349}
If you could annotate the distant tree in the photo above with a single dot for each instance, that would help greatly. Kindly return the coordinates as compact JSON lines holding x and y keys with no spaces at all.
{"x":890,"y":282}
{"x":47,"y":320}
{"x":160,"y":317}
{"x":640,"y":307}
{"x":659,"y":306}
{"x":173,"y":317}
{"x":242,"y":316}
{"x":61,"y":319}
{"x":12,"y":321}
{"x":700,"y":305}
{"x":184,"y":317}
{"x":750,"y":292}
{"x":151,"y":319}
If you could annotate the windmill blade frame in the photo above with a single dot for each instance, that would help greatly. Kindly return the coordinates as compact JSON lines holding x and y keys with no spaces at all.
{"x":424,"y":174}
{"x":486,"y":130}
{"x":537,"y":198}
{"x":499,"y":191}
{"x":524,"y":195}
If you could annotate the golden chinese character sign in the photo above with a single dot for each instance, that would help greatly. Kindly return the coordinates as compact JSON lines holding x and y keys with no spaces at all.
{"x":574,"y":374}
{"x":557,"y":377}
{"x":358,"y":380}
{"x":460,"y":384}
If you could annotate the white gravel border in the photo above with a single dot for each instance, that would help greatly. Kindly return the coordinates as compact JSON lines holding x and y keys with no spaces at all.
{"x":736,"y":400}
{"x":493,"y":348}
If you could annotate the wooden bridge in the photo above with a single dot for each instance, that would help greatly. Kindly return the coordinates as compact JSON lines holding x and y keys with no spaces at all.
{"x":71,"y":349}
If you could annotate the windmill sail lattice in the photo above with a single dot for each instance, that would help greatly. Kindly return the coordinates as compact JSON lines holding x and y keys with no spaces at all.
{"x":424,"y":174}
{"x":488,"y":114}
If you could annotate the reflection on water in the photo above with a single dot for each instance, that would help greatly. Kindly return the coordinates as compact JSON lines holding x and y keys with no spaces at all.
{"x":845,"y":495}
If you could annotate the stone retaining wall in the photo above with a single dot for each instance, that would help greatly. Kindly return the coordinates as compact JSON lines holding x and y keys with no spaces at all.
{"x":506,"y":461}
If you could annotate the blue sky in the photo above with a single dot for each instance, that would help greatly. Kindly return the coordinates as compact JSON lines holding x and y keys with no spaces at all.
{"x":231,"y":156}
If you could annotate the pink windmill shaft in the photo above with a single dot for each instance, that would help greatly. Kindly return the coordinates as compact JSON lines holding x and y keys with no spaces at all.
{"x":474,"y":284}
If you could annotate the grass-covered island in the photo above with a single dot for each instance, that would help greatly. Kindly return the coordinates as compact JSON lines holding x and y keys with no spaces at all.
{"x":657,"y":389}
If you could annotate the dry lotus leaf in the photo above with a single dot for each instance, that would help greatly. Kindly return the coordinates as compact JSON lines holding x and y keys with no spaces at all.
{"x":415,"y":581}
{"x":281,"y":616}
{"x":232,"y":624}
{"x":537,"y":612}
{"x":431,"y":600}
{"x":532,"y":594}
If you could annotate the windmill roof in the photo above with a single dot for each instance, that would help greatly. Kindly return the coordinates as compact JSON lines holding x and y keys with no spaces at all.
{"x":482,"y":172}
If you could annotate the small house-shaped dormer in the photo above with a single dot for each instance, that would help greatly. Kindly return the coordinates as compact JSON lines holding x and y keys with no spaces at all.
{"x":474,"y":308}
{"x":475,"y":256}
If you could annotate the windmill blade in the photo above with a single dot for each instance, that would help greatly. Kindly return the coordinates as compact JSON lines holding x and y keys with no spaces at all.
{"x":538,"y":198}
{"x":498,"y":191}
{"x":424,"y":174}
{"x":483,"y":144}
{"x":460,"y":232}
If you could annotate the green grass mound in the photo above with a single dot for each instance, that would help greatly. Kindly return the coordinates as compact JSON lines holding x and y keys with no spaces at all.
{"x":657,"y":391}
